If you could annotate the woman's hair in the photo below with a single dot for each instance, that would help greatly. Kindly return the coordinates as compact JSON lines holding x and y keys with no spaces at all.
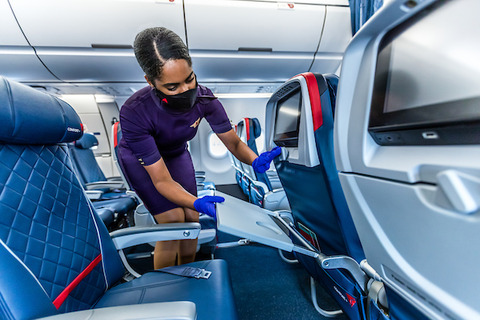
{"x":155,"y":46}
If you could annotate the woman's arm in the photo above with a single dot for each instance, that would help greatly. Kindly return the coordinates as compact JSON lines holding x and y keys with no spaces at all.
{"x":237,"y":147}
{"x":167,"y":187}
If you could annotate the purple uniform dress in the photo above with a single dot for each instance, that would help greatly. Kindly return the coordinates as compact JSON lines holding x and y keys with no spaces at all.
{"x":150,"y":131}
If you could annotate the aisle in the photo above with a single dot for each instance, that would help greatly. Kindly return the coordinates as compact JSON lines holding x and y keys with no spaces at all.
{"x":266,"y":287}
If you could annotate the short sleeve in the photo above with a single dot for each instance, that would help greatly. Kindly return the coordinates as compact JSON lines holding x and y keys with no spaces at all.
{"x":136,"y":134}
{"x":217,"y":117}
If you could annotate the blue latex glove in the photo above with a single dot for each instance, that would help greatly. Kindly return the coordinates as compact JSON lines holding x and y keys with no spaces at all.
{"x":262,"y":163}
{"x":206,"y":205}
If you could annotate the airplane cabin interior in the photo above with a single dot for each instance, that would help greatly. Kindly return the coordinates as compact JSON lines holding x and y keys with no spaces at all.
{"x":370,"y":211}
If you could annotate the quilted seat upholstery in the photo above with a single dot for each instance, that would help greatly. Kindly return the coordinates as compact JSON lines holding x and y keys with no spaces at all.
{"x":46,"y":222}
{"x":56,"y":255}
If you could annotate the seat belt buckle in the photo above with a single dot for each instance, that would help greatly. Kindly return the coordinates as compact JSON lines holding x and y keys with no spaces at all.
{"x":203,"y":274}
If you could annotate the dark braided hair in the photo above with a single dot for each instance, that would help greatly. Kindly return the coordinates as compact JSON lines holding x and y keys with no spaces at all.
{"x":155,"y":46}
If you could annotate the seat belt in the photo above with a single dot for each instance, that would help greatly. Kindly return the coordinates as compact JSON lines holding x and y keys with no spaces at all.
{"x":189,"y":272}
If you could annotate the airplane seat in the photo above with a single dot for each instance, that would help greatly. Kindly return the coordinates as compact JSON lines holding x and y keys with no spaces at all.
{"x":407,"y":149}
{"x":106,"y":194}
{"x":240,"y":172}
{"x":300,"y":119}
{"x":142,"y":217}
{"x":252,"y":130}
{"x":57,"y":254}
{"x":89,"y":172}
{"x":236,"y":164}
{"x":264,"y":189}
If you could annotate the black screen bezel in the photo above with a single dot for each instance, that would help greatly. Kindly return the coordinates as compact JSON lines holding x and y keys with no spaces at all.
{"x":288,"y":139}
{"x":451,"y":122}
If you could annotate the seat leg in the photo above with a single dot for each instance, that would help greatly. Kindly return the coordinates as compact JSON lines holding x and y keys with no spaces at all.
{"x":325,"y":313}
{"x":282,"y":256}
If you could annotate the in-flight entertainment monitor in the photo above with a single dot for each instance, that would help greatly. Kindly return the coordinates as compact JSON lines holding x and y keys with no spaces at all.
{"x":287,"y":120}
{"x":427,"y":83}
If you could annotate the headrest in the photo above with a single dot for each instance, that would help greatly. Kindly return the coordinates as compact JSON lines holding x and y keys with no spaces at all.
{"x":255,"y":125}
{"x":87,"y":141}
{"x":28,"y":116}
{"x":252,"y":125}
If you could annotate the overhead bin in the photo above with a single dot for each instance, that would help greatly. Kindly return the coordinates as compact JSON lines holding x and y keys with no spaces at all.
{"x":337,"y":33}
{"x":229,"y":40}
{"x":17,"y":58}
{"x":89,"y":40}
{"x":232,"y":40}
{"x":252,"y":40}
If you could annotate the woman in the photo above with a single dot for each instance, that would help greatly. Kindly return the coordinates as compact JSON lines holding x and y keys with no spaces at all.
{"x":157,"y":121}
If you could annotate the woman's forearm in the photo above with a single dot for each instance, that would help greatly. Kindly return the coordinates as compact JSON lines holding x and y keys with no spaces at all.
{"x":243,"y":153}
{"x":175,"y":193}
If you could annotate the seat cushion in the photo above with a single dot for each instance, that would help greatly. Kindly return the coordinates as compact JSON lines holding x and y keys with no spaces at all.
{"x":213,"y":297}
{"x":118,"y":205}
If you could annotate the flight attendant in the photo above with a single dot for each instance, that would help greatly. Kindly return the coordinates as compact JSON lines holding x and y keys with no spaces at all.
{"x":157,"y":121}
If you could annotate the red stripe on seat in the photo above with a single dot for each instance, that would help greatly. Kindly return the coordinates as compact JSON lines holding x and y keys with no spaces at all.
{"x":115,"y":134}
{"x":247,"y":127}
{"x":315,"y":102}
{"x":64,"y":294}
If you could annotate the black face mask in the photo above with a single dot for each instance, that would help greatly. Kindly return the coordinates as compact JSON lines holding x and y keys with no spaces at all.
{"x":181,"y":102}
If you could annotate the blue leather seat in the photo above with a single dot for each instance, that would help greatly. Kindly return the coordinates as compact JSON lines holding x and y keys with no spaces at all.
{"x":317,"y":201}
{"x":55,"y":254}
{"x":89,"y":172}
{"x":108,"y":194}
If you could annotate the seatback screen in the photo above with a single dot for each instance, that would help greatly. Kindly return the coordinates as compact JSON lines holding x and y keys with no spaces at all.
{"x":427,"y":87}
{"x":287,"y":120}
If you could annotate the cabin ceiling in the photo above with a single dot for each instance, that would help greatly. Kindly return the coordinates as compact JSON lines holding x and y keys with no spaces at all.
{"x":85,"y":46}
{"x":127,"y":89}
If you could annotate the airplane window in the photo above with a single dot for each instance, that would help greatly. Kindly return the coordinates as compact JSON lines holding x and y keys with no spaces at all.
{"x":215,"y":147}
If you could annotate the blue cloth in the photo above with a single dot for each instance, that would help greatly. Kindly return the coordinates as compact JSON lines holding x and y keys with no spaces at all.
{"x":206,"y":205}
{"x":262,"y":163}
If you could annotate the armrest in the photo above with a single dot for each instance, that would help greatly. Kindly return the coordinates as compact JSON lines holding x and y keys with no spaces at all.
{"x":128,"y":237}
{"x":260,"y":185}
{"x":209,"y":192}
{"x":105,"y":184}
{"x":276,"y":200}
{"x":159,"y":311}
{"x":93,"y":194}
{"x":115,"y":178}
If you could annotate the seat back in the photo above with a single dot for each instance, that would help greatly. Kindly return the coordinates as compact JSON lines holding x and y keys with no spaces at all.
{"x":84,"y":159}
{"x":116,"y":137}
{"x":313,"y":188}
{"x":241,"y":176}
{"x":407,"y":144}
{"x":55,"y":253}
{"x":236,"y":164}
{"x":250,"y":130}
{"x":310,"y":180}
